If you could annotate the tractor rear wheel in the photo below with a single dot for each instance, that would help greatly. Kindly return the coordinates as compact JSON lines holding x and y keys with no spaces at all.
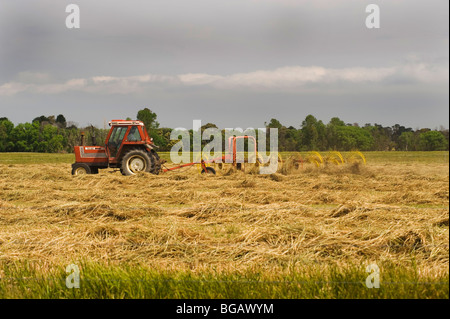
{"x":81,"y":169}
{"x":156,"y":168}
{"x":136,"y":161}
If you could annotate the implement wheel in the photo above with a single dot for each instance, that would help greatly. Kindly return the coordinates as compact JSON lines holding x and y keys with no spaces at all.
{"x":136,"y":161}
{"x":81,"y":169}
{"x":209,"y":170}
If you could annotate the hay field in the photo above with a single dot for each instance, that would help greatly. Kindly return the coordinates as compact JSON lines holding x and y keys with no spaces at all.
{"x":307,"y":233}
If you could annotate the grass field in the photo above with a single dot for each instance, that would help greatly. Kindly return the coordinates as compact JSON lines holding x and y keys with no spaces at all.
{"x":307,"y":233}
{"x":372,"y":157}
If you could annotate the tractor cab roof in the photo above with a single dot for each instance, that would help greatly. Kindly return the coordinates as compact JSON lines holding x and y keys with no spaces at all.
{"x":125,"y":123}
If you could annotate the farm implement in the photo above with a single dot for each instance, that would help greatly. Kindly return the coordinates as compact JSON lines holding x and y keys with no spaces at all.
{"x":334,"y":158}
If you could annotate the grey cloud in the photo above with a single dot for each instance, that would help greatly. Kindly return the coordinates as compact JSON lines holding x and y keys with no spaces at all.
{"x":286,"y":79}
{"x":236,"y":54}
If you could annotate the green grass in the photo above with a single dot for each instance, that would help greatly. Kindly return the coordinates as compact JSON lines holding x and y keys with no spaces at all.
{"x":407,"y":157}
{"x":36,"y":158}
{"x":372,"y":157}
{"x":25,"y":280}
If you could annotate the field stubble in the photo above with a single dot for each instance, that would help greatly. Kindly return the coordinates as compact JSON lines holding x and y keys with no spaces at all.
{"x":394,"y":215}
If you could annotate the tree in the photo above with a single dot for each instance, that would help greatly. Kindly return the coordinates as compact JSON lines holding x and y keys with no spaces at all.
{"x":397,"y":131}
{"x":293,"y":139}
{"x":335,"y":121}
{"x":407,"y":141}
{"x":353,"y":137}
{"x":25,"y":136}
{"x":445,"y":132}
{"x":41,"y":119}
{"x":151,"y":125}
{"x":61,"y":121}
{"x":274,"y":123}
{"x":432,"y":141}
{"x":332,"y":135}
{"x":165,"y":143}
{"x":149,"y":119}
{"x":382,"y":137}
{"x":52,"y":119}
{"x":71,"y":137}
{"x":314,"y":134}
{"x":207,"y":126}
{"x":6,"y":127}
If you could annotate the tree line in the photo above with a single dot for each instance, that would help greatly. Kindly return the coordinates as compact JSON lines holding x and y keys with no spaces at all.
{"x":53,"y":134}
{"x":338,"y":135}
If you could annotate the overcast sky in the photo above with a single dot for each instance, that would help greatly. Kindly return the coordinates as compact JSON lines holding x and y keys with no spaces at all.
{"x":235,"y":63}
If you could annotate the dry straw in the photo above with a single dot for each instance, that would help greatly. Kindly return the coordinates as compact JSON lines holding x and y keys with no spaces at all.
{"x":342,"y":214}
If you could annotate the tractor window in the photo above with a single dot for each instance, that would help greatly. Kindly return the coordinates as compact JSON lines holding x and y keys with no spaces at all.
{"x":118,"y":134}
{"x":134,"y":135}
{"x":122,"y":134}
{"x":116,"y":139}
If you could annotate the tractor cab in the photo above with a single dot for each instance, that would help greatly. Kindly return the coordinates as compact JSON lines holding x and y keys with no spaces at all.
{"x":127,"y":147}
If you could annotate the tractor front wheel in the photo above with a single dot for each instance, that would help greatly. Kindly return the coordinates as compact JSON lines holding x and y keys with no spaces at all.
{"x":81,"y":169}
{"x":136,"y":161}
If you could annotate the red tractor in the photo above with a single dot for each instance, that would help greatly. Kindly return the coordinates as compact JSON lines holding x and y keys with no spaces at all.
{"x":127,"y":147}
